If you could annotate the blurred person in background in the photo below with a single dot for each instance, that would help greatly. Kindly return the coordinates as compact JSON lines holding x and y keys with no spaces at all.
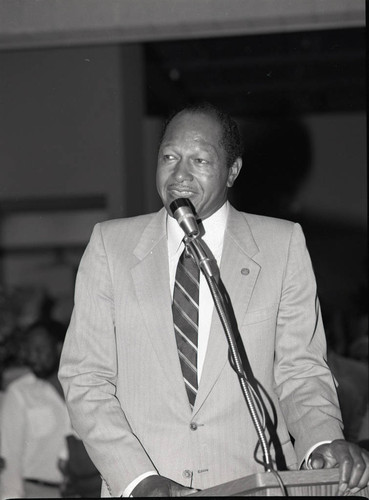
{"x":34,"y":419}
{"x":350,"y":374}
{"x":20,"y":307}
{"x":8,"y":335}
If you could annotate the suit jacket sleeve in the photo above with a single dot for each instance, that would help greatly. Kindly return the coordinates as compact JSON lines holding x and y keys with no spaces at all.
{"x":88,"y":373}
{"x":304,"y":383}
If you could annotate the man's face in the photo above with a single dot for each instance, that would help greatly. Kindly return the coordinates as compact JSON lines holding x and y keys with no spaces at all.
{"x":42,"y":355}
{"x":192,"y":164}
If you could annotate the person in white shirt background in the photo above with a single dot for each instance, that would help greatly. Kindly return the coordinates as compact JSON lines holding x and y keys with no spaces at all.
{"x":34,"y":419}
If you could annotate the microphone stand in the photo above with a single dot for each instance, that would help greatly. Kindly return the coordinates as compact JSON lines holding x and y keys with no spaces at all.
{"x":209,"y":268}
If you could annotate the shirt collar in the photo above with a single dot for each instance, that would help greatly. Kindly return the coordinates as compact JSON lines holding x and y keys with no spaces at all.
{"x":214,"y":227}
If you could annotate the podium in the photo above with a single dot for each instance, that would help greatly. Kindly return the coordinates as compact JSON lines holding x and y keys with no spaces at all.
{"x":323,"y":482}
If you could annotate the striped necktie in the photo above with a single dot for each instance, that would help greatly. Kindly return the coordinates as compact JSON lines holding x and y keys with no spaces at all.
{"x":185,"y":318}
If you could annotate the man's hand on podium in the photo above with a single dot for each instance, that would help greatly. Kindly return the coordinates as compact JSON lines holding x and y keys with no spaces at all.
{"x":352,"y":461}
{"x":159,"y":486}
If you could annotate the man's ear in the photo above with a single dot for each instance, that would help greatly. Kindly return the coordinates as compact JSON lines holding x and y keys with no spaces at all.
{"x":234,"y":170}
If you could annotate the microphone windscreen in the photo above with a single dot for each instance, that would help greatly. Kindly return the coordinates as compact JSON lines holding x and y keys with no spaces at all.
{"x":184,"y":213}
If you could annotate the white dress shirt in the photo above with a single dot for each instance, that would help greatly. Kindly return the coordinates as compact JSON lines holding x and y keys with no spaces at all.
{"x":214,"y":228}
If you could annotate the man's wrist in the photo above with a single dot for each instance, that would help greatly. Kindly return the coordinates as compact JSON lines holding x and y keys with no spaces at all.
{"x":307,"y":459}
{"x":147,"y":485}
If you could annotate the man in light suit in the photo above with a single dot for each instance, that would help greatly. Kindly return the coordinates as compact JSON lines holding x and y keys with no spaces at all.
{"x":120,"y":367}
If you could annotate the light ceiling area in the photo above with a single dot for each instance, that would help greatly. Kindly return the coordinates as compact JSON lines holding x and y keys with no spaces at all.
{"x":45,"y":23}
{"x":252,"y":57}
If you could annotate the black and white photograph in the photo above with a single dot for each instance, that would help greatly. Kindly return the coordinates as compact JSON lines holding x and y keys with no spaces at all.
{"x":183,"y":248}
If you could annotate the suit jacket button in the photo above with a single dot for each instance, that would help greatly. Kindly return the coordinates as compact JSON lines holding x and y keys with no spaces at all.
{"x":193,"y":426}
{"x":187,"y":473}
{"x":245,"y":271}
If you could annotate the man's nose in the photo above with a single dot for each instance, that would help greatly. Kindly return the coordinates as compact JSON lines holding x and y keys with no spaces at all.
{"x":32,"y":357}
{"x":182,"y":171}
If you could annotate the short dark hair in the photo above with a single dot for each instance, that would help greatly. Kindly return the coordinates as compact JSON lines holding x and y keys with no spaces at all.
{"x":231,"y":138}
{"x":55,"y":329}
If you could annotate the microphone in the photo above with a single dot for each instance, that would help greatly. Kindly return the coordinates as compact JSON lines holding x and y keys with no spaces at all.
{"x":184,"y":213}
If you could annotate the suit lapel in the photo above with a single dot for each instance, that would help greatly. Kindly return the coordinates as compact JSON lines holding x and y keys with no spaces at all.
{"x":154,"y":298}
{"x":239,"y":273}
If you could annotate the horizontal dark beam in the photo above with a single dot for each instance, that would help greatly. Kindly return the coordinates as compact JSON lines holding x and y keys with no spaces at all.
{"x":294,"y":85}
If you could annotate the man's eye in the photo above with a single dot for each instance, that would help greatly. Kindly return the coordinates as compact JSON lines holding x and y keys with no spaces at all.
{"x":201,"y":161}
{"x":168,"y":157}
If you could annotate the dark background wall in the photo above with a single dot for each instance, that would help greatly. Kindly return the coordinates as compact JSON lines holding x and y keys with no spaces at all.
{"x":82,"y":104}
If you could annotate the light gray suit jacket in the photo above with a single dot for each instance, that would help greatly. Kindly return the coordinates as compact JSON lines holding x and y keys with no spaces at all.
{"x":121,"y":373}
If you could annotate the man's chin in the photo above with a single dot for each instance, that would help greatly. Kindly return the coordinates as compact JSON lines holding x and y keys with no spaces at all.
{"x":43,"y":374}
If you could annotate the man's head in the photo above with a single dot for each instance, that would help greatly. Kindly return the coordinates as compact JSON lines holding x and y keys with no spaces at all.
{"x":42,"y":347}
{"x":199,"y":158}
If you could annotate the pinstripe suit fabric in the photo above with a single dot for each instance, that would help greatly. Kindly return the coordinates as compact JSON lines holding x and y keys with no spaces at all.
{"x":121,"y":373}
